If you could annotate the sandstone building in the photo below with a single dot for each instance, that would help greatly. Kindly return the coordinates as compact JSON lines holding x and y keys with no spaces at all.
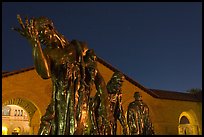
{"x":171,"y":113}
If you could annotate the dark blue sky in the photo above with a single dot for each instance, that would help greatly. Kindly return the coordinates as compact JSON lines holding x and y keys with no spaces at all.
{"x":158,"y":45}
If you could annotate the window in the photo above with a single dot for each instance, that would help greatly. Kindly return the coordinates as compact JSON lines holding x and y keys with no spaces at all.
{"x":6,"y":110}
{"x":21,"y":114}
{"x":15,"y":112}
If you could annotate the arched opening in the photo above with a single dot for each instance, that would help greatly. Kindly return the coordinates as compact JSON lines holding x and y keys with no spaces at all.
{"x":187,"y":124}
{"x":16,"y":120}
{"x":16,"y":131}
{"x":184,"y":120}
{"x":20,"y":117}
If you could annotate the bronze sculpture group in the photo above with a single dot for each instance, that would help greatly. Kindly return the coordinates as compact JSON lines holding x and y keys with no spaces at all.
{"x":72,"y":68}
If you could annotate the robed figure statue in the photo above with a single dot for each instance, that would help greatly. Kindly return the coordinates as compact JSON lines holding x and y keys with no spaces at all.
{"x":138,"y":118}
{"x":72,"y":68}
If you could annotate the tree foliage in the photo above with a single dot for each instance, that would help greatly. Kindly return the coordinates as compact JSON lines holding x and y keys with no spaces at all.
{"x":194,"y":90}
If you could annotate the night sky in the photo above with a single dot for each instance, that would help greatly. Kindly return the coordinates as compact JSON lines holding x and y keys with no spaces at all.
{"x":157,"y":44}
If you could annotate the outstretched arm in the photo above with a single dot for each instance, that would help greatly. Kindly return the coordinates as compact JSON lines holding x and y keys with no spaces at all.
{"x":40,"y":61}
{"x":29,"y":31}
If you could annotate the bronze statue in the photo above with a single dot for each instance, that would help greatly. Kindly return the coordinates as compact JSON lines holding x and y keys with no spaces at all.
{"x":138,"y":117}
{"x":101,"y":114}
{"x":115,"y":94}
{"x":72,"y":72}
{"x":72,"y":68}
{"x":62,"y":61}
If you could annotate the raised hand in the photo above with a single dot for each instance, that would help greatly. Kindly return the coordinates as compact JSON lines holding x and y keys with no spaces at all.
{"x":28,"y":30}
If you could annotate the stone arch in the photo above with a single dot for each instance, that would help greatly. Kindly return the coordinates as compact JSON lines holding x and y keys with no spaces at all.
{"x":25,"y":104}
{"x":188,"y":123}
{"x":32,"y":110}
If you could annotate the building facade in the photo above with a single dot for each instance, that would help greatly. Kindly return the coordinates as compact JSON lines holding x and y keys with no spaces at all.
{"x":171,"y":113}
{"x":15,"y":121}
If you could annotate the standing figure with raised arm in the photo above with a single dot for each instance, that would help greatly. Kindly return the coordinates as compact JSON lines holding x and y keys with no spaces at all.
{"x":72,"y":69}
{"x":62,"y":62}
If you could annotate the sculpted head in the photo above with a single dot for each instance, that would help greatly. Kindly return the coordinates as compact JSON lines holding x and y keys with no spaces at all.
{"x":114,"y":86}
{"x":137,"y":96}
{"x":47,"y":33}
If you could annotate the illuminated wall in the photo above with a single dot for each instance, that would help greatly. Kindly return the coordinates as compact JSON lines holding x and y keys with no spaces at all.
{"x":165,"y":113}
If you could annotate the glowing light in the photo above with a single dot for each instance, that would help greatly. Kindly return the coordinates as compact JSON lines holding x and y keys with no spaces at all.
{"x":4,"y":130}
{"x":17,"y":129}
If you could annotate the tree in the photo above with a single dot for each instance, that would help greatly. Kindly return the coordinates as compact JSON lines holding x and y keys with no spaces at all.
{"x":194,"y":90}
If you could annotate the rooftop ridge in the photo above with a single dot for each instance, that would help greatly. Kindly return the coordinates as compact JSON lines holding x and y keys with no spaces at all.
{"x":99,"y":59}
{"x":17,"y":71}
{"x":127,"y":77}
{"x":174,"y":95}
